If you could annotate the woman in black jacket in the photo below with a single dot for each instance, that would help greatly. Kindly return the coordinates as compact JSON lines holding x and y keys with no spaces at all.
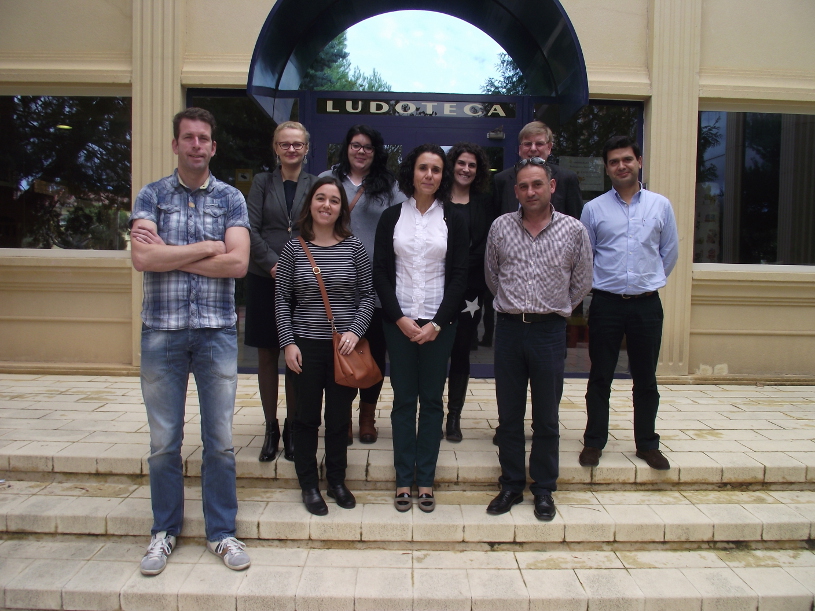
{"x":274,"y":204}
{"x":420,"y":274}
{"x":469,"y":194}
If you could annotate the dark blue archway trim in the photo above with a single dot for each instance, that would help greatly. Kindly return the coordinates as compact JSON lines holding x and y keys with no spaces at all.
{"x":537,"y":34}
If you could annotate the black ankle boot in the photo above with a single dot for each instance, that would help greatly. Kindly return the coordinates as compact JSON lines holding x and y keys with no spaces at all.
{"x":456,"y":391}
{"x":270,"y":442}
{"x":453,"y":429}
{"x":288,"y":440}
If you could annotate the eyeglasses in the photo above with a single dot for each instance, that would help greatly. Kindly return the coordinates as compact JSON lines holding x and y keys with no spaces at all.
{"x":297,"y":146}
{"x":356,"y":146}
{"x":527,"y":144}
{"x":539,"y":161}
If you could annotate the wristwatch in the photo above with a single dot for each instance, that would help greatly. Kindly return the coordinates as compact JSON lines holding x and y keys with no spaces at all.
{"x":435,"y":326}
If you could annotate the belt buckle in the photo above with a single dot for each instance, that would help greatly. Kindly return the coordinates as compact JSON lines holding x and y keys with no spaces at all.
{"x":523,"y":318}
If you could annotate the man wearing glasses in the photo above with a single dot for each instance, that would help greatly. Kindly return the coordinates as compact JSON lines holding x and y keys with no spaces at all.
{"x":538,"y":266}
{"x":635,"y":245}
{"x":535,"y":140}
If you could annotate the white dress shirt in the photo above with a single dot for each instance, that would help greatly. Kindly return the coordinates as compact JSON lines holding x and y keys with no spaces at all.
{"x":420,"y":246}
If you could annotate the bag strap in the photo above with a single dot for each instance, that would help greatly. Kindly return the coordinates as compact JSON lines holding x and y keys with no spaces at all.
{"x":356,"y":198}
{"x":319,"y":276}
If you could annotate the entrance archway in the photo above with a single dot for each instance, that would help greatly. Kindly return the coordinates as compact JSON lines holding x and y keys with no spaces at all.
{"x":537,"y":34}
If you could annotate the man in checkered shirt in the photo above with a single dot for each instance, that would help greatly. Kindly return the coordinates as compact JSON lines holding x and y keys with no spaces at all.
{"x":190,"y":237}
{"x":539,"y":267}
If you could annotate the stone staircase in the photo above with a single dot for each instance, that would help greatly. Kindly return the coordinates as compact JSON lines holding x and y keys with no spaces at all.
{"x":729,"y":527}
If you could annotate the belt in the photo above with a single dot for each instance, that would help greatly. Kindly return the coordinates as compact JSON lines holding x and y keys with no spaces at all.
{"x":530,"y":318}
{"x":618,"y":296}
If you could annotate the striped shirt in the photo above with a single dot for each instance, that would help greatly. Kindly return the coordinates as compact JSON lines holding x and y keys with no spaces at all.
{"x":346,"y":272}
{"x":548,"y":273}
{"x":179,"y":300}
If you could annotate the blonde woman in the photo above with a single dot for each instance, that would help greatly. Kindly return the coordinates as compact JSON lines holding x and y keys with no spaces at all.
{"x":275,"y":202}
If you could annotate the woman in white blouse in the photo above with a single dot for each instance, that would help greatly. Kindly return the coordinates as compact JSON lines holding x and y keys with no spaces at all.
{"x":420,"y":274}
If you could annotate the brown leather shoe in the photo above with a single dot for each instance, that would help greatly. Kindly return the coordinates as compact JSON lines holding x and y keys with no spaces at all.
{"x":655,"y":459}
{"x":367,"y":430}
{"x":590,"y":457}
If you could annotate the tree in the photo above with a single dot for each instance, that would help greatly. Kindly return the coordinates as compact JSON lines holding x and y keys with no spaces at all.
{"x":66,"y":168}
{"x":510,"y":81}
{"x":332,"y":71}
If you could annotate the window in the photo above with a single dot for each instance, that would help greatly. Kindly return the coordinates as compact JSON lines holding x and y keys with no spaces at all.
{"x":755,"y":188}
{"x":64,"y":172}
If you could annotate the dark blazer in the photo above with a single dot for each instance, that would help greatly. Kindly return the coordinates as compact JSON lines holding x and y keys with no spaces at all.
{"x":480,"y":215}
{"x":567,"y":197}
{"x":269,"y":218}
{"x":455,"y":265}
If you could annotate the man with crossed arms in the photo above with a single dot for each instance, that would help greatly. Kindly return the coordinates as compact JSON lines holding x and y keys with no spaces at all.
{"x":190,"y":235}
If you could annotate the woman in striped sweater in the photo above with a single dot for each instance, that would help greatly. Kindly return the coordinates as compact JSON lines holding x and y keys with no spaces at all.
{"x":305,"y":334}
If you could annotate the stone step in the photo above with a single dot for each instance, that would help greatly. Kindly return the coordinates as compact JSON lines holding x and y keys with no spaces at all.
{"x":103,"y":573}
{"x":470,"y":464}
{"x":54,"y":427}
{"x":612,"y":517}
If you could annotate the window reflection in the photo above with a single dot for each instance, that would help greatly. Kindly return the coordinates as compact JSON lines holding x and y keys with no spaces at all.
{"x":64,"y":172}
{"x":755,"y":188}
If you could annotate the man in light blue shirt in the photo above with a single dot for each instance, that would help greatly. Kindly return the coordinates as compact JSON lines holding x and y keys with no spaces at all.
{"x":635,"y":245}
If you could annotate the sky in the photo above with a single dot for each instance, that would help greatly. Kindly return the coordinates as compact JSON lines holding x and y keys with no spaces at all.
{"x":424,"y":52}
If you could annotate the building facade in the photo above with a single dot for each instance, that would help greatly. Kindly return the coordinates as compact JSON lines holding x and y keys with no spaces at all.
{"x":690,"y":63}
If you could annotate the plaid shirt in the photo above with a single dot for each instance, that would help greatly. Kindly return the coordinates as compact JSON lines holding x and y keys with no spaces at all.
{"x":176,"y":299}
{"x":548,"y":273}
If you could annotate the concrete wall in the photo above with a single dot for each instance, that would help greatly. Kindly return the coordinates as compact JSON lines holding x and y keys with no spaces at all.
{"x":677,"y":56}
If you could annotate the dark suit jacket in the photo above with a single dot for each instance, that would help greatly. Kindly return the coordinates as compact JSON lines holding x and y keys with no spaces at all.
{"x":567,"y":197}
{"x":269,"y":218}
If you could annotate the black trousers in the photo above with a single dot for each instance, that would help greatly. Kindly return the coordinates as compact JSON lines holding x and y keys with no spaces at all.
{"x":376,"y":340}
{"x":467,"y":328}
{"x":529,"y":355}
{"x":640,"y":321}
{"x":318,"y":376}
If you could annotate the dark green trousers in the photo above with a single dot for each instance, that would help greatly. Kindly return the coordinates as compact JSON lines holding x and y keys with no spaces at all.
{"x":418,"y":373}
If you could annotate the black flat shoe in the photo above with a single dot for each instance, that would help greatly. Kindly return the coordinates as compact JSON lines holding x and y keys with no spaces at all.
{"x":402,"y":502}
{"x":545,"y":507}
{"x":504,"y":502}
{"x":426,"y":502}
{"x":270,"y":442}
{"x":314,"y":502}
{"x":341,"y":494}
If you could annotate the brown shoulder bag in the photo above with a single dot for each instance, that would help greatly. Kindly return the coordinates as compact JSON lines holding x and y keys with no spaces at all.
{"x":358,"y":369}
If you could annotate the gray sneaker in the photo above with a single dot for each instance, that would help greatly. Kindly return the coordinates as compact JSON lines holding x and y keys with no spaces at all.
{"x":232,"y":552}
{"x":155,"y":559}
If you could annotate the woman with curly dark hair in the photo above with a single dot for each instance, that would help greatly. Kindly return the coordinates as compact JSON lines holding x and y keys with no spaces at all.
{"x":370,"y":188}
{"x":420,"y":274}
{"x":470,"y":195}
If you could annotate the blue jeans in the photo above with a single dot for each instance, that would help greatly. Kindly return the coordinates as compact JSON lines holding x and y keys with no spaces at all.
{"x":167,"y":358}
{"x":529,"y":354}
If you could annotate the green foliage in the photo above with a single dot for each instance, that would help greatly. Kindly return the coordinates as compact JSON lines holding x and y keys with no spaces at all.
{"x":585,"y":134}
{"x":709,"y":136}
{"x":332,"y":71}
{"x":510,"y":81}
{"x":64,"y":171}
